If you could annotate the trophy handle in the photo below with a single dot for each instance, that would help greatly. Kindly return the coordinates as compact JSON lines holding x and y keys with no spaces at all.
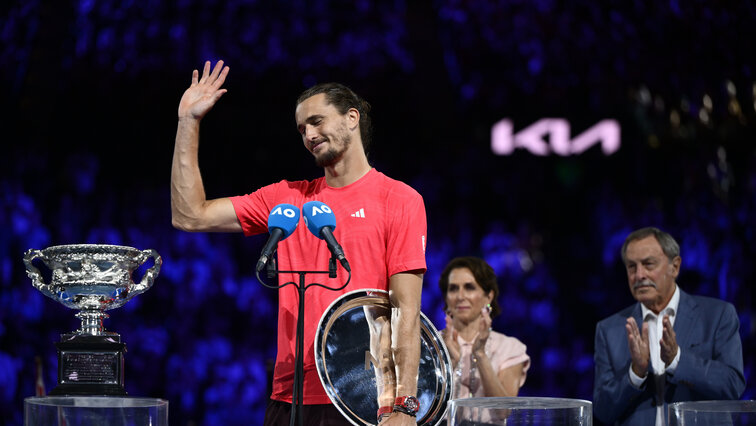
{"x":33,"y":272}
{"x":149,"y":276}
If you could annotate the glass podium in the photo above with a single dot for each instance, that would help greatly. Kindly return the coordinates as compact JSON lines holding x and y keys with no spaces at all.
{"x":95,"y":411}
{"x":712,"y":413}
{"x":520,"y":411}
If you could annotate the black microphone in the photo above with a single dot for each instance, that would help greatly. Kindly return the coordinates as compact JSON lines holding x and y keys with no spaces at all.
{"x":321,"y":221}
{"x":282,"y":221}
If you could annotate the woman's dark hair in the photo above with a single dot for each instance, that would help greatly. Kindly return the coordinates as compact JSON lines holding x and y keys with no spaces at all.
{"x":484,"y":276}
{"x":343,"y":98}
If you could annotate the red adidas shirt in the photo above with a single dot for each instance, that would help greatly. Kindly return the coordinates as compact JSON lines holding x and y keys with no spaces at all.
{"x":380,"y":223}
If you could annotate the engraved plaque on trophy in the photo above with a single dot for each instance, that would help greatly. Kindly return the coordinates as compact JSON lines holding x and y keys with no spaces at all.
{"x":91,"y":278}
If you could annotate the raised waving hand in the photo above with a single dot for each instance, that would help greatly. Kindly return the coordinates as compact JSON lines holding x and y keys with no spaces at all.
{"x":204,"y":92}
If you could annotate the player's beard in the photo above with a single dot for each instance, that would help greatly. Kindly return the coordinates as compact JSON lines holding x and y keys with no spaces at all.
{"x":335,"y":151}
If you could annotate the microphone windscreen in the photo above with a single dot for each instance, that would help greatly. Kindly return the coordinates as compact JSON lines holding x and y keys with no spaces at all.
{"x":318,"y":215}
{"x":284,"y":217}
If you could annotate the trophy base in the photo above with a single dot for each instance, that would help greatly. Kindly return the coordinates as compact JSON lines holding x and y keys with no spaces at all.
{"x":88,"y":390}
{"x":90,"y":365}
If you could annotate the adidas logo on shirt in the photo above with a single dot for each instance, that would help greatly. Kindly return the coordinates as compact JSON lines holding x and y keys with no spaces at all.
{"x":359,"y":213}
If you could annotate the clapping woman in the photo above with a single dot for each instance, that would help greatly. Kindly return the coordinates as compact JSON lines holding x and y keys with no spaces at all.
{"x":485,"y":362}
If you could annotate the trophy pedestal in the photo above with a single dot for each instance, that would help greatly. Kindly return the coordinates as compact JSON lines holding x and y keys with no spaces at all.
{"x":730,"y":413}
{"x":90,"y":365}
{"x":520,"y":411}
{"x":95,"y":411}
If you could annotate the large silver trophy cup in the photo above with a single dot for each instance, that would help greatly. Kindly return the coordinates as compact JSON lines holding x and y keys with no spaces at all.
{"x":91,"y":278}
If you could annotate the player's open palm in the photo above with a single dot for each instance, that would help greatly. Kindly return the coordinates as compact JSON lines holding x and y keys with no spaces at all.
{"x":204,"y":92}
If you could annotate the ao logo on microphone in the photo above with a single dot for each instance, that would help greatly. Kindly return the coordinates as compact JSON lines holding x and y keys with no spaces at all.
{"x":316,"y":210}
{"x":279,"y":210}
{"x":321,"y":221}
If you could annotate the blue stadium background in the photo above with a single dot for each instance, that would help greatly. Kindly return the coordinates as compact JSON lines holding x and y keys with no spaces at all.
{"x":88,"y":98}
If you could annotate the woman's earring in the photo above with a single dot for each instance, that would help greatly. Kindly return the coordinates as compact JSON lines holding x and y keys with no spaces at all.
{"x":488,"y":308}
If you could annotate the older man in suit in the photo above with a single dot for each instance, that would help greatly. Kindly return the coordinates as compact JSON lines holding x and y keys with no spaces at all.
{"x":687,"y":347}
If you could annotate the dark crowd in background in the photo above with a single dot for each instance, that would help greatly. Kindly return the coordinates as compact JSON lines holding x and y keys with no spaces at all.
{"x":88,"y":96}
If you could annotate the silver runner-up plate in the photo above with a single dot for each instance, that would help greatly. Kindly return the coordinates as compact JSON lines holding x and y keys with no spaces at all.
{"x":354,"y":362}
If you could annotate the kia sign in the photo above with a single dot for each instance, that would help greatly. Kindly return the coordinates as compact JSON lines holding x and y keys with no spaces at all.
{"x":552,"y":136}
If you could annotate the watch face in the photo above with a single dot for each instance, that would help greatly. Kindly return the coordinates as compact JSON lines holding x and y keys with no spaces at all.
{"x":352,"y":355}
{"x":411,"y":403}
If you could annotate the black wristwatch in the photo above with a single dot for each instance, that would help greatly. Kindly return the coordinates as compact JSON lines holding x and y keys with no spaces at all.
{"x":408,"y":405}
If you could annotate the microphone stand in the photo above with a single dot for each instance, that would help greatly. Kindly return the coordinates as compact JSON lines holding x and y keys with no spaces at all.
{"x":272,"y":272}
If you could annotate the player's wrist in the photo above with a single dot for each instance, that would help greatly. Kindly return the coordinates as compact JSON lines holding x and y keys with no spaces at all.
{"x":408,"y":405}
{"x":188,"y":119}
{"x":384,"y":412}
